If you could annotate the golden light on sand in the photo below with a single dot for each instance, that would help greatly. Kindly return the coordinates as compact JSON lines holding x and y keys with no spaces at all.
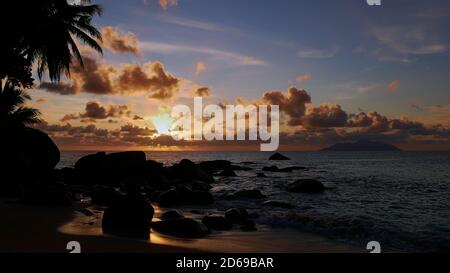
{"x":162,"y":123}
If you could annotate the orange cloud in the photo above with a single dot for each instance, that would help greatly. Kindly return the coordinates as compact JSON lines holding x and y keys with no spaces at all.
{"x":105,"y":79}
{"x":202,"y":92}
{"x":117,"y":43}
{"x":200,"y":67}
{"x":303,"y":78}
{"x":393,"y":85}
{"x":167,"y":3}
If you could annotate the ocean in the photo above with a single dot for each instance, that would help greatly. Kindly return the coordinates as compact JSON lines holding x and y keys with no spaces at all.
{"x":400,"y":199}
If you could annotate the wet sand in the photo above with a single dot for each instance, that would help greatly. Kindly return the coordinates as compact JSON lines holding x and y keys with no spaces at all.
{"x":32,"y":229}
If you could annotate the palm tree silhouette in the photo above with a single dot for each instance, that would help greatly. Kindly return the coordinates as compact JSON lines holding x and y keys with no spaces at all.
{"x":46,"y":31}
{"x":44,"y":35}
{"x":13,"y":113}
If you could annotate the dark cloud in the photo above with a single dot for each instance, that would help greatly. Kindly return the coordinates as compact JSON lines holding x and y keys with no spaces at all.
{"x":202,"y":92}
{"x":62,"y":88}
{"x":151,"y":77}
{"x":325,"y":116}
{"x":95,"y":111}
{"x":293,"y":103}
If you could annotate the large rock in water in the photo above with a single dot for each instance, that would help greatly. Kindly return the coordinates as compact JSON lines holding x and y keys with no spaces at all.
{"x":113,"y":169}
{"x":130,"y":216}
{"x":278,"y":156}
{"x":306,"y":186}
{"x":188,"y":170}
{"x":181,"y":227}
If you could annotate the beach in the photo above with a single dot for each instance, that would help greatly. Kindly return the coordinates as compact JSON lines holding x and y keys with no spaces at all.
{"x":31,"y":229}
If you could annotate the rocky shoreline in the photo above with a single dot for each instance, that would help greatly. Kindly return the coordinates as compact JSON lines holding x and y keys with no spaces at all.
{"x":127,"y":186}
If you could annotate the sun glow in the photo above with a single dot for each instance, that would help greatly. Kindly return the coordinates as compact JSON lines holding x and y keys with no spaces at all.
{"x":162,"y":123}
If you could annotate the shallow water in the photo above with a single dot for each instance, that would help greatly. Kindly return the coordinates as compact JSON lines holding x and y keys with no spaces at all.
{"x":400,"y":199}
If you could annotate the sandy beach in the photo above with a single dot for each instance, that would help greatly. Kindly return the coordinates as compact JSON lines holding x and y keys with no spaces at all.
{"x":31,"y":229}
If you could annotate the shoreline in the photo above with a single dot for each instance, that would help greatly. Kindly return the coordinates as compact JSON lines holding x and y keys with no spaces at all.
{"x":30,"y":229}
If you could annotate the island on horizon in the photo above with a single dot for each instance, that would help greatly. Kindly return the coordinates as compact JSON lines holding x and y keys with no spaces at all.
{"x":362,"y":145}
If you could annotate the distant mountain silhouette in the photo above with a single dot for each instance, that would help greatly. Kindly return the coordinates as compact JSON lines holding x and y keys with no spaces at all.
{"x":362,"y":146}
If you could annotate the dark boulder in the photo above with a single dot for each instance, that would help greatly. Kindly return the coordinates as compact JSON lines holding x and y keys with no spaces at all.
{"x":181,"y":227}
{"x":27,"y":156}
{"x":200,"y":186}
{"x":201,"y":198}
{"x":171,"y":214}
{"x":215,"y":165}
{"x":227,"y":173}
{"x":168,"y":198}
{"x":277,"y":204}
{"x":115,"y":168}
{"x":130,"y":216}
{"x":306,"y":186}
{"x":91,"y":163}
{"x":250,"y":194}
{"x":239,"y":168}
{"x":188,"y":170}
{"x":217,"y":222}
{"x":278,"y":156}
{"x":103,"y":195}
{"x":236,"y":214}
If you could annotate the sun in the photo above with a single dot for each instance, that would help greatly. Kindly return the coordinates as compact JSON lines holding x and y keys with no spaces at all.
{"x":162,"y":123}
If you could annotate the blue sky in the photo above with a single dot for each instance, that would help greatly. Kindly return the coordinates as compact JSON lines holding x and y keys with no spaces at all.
{"x":338,"y":43}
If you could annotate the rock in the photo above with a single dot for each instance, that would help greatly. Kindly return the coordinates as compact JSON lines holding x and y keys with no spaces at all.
{"x":250,"y":194}
{"x":306,"y":186}
{"x":277,"y":204}
{"x":271,"y":169}
{"x":39,"y":149}
{"x":217,"y":222}
{"x":215,"y":165}
{"x":171,"y":214}
{"x":185,"y":195}
{"x":27,"y":156}
{"x":248,"y":225}
{"x":278,"y":156}
{"x":91,"y":163}
{"x":201,"y":198}
{"x":236,"y":215}
{"x":168,"y":198}
{"x":261,"y":175}
{"x":239,"y":168}
{"x":103,"y":195}
{"x":200,"y":186}
{"x":116,"y":168}
{"x":130,"y":216}
{"x":227,"y":173}
{"x":182,"y":195}
{"x":188,"y":170}
{"x":182,"y":227}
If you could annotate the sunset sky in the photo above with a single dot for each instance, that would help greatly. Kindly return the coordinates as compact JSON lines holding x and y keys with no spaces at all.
{"x":340,"y":71}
